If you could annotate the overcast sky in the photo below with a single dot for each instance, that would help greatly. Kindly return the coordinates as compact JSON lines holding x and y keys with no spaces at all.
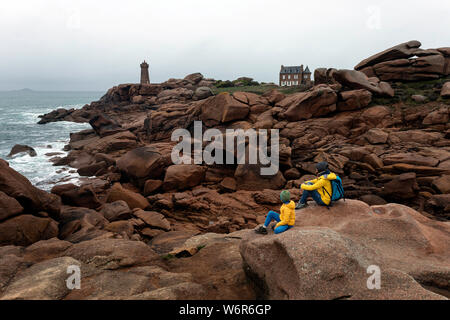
{"x":94,"y":45}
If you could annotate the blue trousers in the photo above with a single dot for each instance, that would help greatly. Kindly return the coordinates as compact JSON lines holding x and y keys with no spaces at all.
{"x":313,"y":194}
{"x":275,"y":216}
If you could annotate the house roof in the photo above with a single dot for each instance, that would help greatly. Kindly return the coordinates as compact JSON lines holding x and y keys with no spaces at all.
{"x":291,"y":69}
{"x":307,"y":70}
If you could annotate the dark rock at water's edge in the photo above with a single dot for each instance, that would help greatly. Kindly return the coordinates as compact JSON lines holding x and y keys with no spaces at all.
{"x":18,"y":148}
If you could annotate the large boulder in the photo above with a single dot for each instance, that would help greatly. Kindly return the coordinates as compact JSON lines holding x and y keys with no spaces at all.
{"x":442,"y":184}
{"x":9,"y":207}
{"x":321,"y":264}
{"x":142,"y":163}
{"x":403,"y":186}
{"x":223,"y":108}
{"x":376,"y":136}
{"x":407,"y":62}
{"x":104,"y":126}
{"x":184,"y":176}
{"x":320,"y":101}
{"x":358,"y":80}
{"x":328,"y":255}
{"x":133,"y":199}
{"x":194,"y":78}
{"x":81,"y":224}
{"x":354,"y":100}
{"x":401,"y":51}
{"x":25,"y":230}
{"x":202,"y":93}
{"x":324,"y":76}
{"x":177,"y":94}
{"x":32,"y":199}
{"x":421,"y":68}
{"x":72,"y":195}
{"x":124,"y":140}
{"x":115,"y":211}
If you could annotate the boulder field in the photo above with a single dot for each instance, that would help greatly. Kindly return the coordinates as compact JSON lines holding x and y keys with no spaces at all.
{"x":327,"y":255}
{"x":141,"y":227}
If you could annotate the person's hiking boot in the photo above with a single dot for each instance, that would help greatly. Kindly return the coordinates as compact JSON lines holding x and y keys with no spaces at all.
{"x":301,"y":206}
{"x":261,"y":230}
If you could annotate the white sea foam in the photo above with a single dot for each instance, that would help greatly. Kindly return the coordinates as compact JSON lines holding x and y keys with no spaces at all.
{"x":19,"y":116}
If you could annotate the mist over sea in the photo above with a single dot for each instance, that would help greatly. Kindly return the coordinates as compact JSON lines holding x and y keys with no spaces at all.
{"x":19,"y":111}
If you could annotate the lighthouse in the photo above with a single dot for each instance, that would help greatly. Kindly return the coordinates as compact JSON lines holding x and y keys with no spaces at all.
{"x":145,"y":78}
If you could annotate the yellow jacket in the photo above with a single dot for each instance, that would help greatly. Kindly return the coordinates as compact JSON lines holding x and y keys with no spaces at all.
{"x":321,"y":184}
{"x":287,"y":215}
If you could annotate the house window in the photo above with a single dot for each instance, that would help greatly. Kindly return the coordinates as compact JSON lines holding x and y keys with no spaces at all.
{"x":296,"y":76}
{"x":284,"y":77}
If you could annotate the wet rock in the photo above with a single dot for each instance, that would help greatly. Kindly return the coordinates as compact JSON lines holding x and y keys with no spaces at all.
{"x":18,"y":148}
{"x":92,"y":170}
{"x":32,"y":199}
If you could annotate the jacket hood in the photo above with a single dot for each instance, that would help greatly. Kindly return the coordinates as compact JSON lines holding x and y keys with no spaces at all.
{"x":330,"y":177}
{"x":291,"y":205}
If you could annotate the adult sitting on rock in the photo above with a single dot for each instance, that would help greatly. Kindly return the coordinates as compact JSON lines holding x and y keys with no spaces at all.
{"x":319,"y":189}
{"x":286,"y":219}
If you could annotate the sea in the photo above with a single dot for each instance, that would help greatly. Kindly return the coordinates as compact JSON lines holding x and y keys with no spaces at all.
{"x":19,"y":115}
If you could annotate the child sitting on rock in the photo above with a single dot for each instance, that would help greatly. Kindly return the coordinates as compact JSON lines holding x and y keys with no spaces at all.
{"x":318,"y":189}
{"x":286,"y":219}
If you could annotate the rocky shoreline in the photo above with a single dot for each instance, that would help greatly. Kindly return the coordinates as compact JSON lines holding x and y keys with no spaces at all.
{"x":143,"y":228}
